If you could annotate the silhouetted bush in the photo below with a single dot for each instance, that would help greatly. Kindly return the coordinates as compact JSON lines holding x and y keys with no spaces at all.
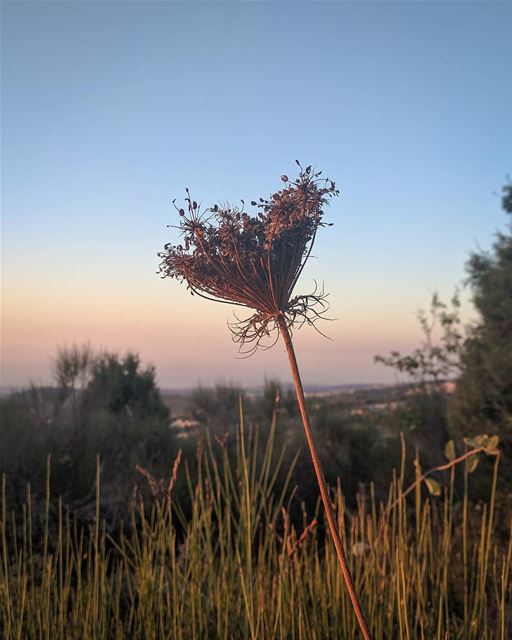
{"x":104,"y":405}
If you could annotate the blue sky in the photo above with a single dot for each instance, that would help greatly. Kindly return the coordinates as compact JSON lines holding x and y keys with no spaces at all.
{"x":110,"y":109}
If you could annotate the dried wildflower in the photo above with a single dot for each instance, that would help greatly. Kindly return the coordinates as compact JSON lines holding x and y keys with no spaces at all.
{"x":254,"y":261}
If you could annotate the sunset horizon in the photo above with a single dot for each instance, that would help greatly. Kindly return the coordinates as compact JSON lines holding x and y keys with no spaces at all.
{"x":98,"y":142}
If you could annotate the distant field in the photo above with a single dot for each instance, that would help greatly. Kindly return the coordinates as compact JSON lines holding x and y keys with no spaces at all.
{"x":178,"y":400}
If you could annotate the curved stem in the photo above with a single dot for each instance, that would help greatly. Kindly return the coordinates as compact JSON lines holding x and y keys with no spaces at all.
{"x":342,"y":558}
{"x":442,"y":467}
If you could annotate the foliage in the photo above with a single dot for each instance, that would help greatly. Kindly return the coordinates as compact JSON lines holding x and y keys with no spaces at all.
{"x":217,"y":407}
{"x":484,"y":387}
{"x":235,"y":566}
{"x":121,"y":386}
{"x":107,"y":405}
{"x":73,"y":366}
{"x":436,"y":359}
{"x":428,"y":367}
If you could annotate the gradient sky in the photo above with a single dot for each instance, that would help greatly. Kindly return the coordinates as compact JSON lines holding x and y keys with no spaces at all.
{"x":110,"y":109}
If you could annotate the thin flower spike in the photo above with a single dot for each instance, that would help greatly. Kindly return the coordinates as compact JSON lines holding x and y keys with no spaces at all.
{"x":255,"y":261}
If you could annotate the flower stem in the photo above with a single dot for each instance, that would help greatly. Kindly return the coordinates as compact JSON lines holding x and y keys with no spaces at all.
{"x":342,"y":558}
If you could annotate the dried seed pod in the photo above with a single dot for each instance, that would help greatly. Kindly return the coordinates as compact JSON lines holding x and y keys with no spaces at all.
{"x":254,"y":261}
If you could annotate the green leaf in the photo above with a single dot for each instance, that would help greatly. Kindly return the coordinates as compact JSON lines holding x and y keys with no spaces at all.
{"x":433,"y":486}
{"x":471,"y":464}
{"x":449,"y":450}
{"x":492,"y":445}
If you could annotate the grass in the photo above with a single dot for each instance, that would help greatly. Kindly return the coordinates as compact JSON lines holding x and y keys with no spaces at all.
{"x":235,"y":568}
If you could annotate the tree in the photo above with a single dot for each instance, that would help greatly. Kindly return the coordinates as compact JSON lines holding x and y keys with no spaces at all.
{"x":105,"y":404}
{"x":436,"y":360}
{"x":122,"y":387}
{"x":72,"y":368}
{"x":429,"y":366}
{"x":483,"y":399}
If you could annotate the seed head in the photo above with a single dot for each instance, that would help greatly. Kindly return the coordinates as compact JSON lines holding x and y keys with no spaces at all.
{"x":254,"y":261}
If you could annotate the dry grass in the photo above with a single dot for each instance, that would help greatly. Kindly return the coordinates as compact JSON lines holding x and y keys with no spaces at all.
{"x":239,"y":570}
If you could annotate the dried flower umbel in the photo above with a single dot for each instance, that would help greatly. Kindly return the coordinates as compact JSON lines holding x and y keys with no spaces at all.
{"x":254,"y":261}
{"x":229,"y":256}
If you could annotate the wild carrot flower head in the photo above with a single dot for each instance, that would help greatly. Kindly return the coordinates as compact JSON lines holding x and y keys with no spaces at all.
{"x":254,"y":261}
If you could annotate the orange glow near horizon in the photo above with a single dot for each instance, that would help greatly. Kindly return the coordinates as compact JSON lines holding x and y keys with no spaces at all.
{"x":187,"y":338}
{"x":100,"y":134}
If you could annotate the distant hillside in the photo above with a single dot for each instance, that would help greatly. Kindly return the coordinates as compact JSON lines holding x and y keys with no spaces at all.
{"x":315,"y":389}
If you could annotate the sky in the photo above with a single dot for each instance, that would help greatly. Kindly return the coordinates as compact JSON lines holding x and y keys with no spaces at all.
{"x":111,"y":109}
